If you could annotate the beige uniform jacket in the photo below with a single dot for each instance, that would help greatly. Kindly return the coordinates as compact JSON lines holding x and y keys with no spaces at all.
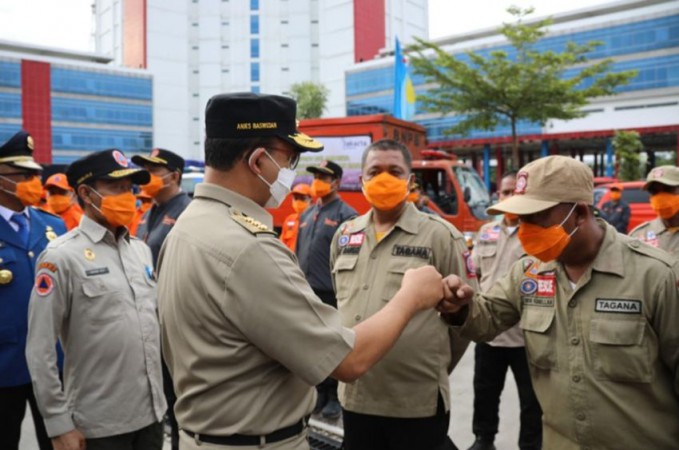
{"x":243,"y":334}
{"x":604,"y":356}
{"x":496,"y":249}
{"x":655,"y":234}
{"x":97,"y":295}
{"x":366,"y":275}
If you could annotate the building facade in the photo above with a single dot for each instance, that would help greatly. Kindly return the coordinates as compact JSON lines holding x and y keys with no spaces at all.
{"x":641,"y":35}
{"x":73,"y":103}
{"x":198,"y":48}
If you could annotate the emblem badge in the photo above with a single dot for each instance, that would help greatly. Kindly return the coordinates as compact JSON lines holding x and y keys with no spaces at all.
{"x":89,"y":254}
{"x":6,"y":276}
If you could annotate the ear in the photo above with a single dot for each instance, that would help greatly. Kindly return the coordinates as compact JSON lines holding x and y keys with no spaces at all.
{"x":582,"y":213}
{"x":253,"y":160}
{"x":83,"y":192}
{"x":411,"y":181}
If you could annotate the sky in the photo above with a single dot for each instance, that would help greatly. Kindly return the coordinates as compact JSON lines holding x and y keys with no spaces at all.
{"x":68,"y":23}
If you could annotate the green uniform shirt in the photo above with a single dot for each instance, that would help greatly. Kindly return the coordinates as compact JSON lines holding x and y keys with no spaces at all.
{"x":604,"y":355}
{"x":655,"y":234}
{"x":366,"y":275}
{"x":243,"y":334}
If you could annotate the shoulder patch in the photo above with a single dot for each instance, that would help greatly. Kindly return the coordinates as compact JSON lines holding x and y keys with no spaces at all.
{"x":253,"y":226}
{"x":454,"y":232}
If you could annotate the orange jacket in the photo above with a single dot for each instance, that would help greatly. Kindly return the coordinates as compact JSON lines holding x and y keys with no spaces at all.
{"x":290,"y":230}
{"x":71,"y":216}
{"x":136,"y":221}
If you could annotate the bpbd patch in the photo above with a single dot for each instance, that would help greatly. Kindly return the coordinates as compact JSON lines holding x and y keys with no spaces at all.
{"x":528,"y":286}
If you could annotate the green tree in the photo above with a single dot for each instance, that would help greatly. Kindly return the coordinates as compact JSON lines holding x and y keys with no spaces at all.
{"x":628,"y":146}
{"x":311,"y":99}
{"x":506,"y":87}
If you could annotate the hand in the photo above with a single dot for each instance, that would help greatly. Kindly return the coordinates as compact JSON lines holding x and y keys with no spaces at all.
{"x":456,"y":295}
{"x":425,"y":285}
{"x":73,"y":440}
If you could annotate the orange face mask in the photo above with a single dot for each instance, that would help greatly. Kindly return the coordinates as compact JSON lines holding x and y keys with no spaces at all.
{"x":300,"y":206}
{"x":320,"y":188}
{"x":616,"y":195}
{"x":385,"y":192}
{"x":665,"y":204}
{"x":118,"y":210}
{"x":546,"y":244}
{"x":59,"y":202}
{"x":413,"y":197}
{"x":28,"y":192}
{"x":511,"y":217}
{"x":155,"y":185}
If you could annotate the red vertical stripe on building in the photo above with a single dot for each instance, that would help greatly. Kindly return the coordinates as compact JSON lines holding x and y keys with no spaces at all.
{"x":134,"y":33}
{"x":369,"y":29}
{"x":36,"y":107}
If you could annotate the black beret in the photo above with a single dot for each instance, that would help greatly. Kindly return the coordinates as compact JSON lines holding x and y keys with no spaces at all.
{"x":161,"y":157}
{"x":247,"y":115}
{"x":108,"y":164}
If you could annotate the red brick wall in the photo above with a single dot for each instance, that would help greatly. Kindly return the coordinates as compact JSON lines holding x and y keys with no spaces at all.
{"x":134,"y":33}
{"x":369,"y":28}
{"x":36,"y":107}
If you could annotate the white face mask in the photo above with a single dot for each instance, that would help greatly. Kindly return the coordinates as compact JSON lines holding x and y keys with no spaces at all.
{"x":281,"y":187}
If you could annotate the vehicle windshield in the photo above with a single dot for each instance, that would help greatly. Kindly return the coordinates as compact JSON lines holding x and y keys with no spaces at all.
{"x":474,"y":191}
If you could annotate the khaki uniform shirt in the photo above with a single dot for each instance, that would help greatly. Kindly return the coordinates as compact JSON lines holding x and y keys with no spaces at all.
{"x":97,"y":295}
{"x":243,"y":334}
{"x":604,"y":356}
{"x":366,"y":275}
{"x":496,"y":249}
{"x":655,"y":234}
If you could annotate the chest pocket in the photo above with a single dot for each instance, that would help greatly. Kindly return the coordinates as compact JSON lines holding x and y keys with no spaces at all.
{"x":486,"y":253}
{"x":102,"y":301}
{"x":394,"y":276}
{"x":622,"y":350}
{"x":343,"y":273}
{"x":539,"y":330}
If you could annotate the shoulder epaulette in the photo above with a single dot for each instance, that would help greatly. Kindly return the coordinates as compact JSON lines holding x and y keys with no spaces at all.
{"x":253,"y":226}
{"x":647,"y":250}
{"x":457,"y":234}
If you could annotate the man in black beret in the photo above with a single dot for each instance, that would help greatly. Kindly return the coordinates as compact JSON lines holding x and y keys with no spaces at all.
{"x":243,"y":334}
{"x":24,"y":233}
{"x":95,"y":292}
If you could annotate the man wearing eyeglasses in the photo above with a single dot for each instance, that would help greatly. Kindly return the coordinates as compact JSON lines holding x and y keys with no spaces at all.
{"x":243,"y":334}
{"x":317,"y":226}
{"x":24,"y":234}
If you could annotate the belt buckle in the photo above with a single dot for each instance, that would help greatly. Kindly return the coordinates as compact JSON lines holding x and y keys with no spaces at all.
{"x":196,"y":439}
{"x":262,"y":441}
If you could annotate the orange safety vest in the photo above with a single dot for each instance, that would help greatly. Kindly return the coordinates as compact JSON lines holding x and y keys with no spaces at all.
{"x":290,"y":230}
{"x":71,"y":216}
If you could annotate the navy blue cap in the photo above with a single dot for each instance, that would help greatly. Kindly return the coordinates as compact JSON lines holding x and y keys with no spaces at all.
{"x":18,"y":152}
{"x":108,"y":164}
{"x":161,"y":157}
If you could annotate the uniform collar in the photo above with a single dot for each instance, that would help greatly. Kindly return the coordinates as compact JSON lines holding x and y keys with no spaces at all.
{"x":236,"y":201}
{"x":96,"y":232}
{"x":408,"y":221}
{"x":610,"y":257}
{"x":7,"y":213}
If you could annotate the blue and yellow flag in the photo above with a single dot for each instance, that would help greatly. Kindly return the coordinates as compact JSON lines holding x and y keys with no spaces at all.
{"x":404,"y":92}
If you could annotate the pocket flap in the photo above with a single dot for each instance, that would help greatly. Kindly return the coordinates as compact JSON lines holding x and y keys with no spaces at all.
{"x":96,"y":288}
{"x":485,"y":251}
{"x":345,"y":262}
{"x":537,"y":319}
{"x":617,"y":332}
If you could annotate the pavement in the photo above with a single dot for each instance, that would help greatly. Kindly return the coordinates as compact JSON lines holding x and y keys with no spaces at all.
{"x":462,"y":401}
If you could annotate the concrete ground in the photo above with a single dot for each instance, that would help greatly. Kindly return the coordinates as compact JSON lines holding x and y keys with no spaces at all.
{"x":462,"y":401}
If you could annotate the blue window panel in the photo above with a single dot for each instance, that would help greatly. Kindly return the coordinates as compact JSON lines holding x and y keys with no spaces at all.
{"x":89,"y":111}
{"x":10,"y":105}
{"x":642,"y":36}
{"x":7,"y":130}
{"x":254,"y":24}
{"x":254,"y":71}
{"x":254,"y":48}
{"x":10,"y":74}
{"x":88,"y":139}
{"x":436,"y":127}
{"x":104,"y":84}
{"x":254,"y":5}
{"x":254,"y":89}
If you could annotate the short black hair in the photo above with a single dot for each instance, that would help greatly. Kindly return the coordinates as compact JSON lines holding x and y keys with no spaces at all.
{"x":510,"y":173}
{"x":222,"y":154}
{"x":388,"y":144}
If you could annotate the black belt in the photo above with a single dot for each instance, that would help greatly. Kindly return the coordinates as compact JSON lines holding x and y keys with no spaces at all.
{"x":244,"y":439}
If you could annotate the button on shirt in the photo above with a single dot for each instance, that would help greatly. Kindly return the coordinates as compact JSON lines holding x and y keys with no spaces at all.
{"x":159,"y":220}
{"x":656,"y":234}
{"x":97,"y":295}
{"x":603,"y":354}
{"x":244,"y":336}
{"x":497,"y":248}
{"x":367,"y":274}
{"x":316,"y":229}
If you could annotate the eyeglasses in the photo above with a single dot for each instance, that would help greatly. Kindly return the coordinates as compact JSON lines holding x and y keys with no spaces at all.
{"x":292,"y":161}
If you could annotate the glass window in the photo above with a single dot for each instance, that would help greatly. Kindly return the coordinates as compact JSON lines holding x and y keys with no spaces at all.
{"x":254,"y":48}
{"x":89,"y":139}
{"x":10,"y":74}
{"x":92,"y":111}
{"x":475,"y":193}
{"x":254,"y":71}
{"x":254,"y":5}
{"x":104,"y":84}
{"x":255,"y":89}
{"x":254,"y":24}
{"x":10,"y":106}
{"x":437,"y":187}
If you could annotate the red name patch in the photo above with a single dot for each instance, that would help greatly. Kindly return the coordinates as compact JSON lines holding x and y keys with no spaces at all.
{"x":356,"y":240}
{"x":546,"y":285}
